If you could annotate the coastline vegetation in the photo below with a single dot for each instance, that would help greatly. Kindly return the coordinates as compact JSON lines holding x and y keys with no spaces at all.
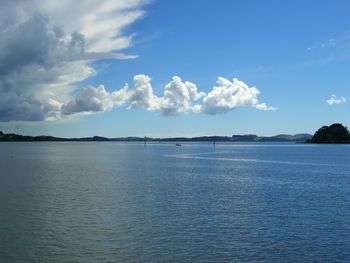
{"x":335,"y":133}
{"x":234,"y":138}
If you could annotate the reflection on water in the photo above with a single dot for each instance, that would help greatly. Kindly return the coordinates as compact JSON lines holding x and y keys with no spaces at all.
{"x":115,"y":202}
{"x":200,"y":157}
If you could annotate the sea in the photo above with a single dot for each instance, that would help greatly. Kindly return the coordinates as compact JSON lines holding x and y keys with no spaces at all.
{"x":124,"y":202}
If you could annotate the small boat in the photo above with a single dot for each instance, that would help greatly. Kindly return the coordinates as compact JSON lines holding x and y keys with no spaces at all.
{"x":178,"y":144}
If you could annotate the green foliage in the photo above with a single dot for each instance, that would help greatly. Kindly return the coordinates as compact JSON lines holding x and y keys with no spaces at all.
{"x":336,"y":133}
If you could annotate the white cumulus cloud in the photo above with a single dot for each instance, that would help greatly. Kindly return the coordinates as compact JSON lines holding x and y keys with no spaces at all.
{"x":179,"y":97}
{"x":142,"y":95}
{"x":333,"y":100}
{"x":227,"y":95}
{"x":90,"y":99}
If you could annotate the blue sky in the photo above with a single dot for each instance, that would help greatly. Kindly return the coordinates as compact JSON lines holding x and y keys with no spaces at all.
{"x":296,"y":53}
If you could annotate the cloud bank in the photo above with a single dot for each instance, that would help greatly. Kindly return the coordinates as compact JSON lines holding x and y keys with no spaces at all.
{"x":179,"y":97}
{"x":44,"y":55}
{"x":334,"y":101}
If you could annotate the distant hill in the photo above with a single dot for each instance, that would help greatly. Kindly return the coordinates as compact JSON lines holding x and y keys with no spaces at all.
{"x":302,"y":137}
{"x":336,"y":133}
{"x":234,"y":138}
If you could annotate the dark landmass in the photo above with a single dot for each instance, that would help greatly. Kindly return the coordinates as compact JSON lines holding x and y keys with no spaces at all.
{"x":11,"y":137}
{"x":336,"y":133}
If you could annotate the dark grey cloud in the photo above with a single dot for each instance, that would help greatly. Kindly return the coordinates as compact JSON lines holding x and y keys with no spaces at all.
{"x":33,"y":55}
{"x":40,"y":61}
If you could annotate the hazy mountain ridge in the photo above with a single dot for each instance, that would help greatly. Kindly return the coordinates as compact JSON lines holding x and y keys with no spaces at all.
{"x":233,"y":138}
{"x":300,"y":137}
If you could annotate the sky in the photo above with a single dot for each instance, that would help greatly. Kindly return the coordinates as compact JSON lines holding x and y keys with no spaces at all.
{"x":173,"y":68}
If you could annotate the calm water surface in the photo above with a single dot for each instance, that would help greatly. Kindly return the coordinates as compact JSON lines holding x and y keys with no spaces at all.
{"x":115,"y":202}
